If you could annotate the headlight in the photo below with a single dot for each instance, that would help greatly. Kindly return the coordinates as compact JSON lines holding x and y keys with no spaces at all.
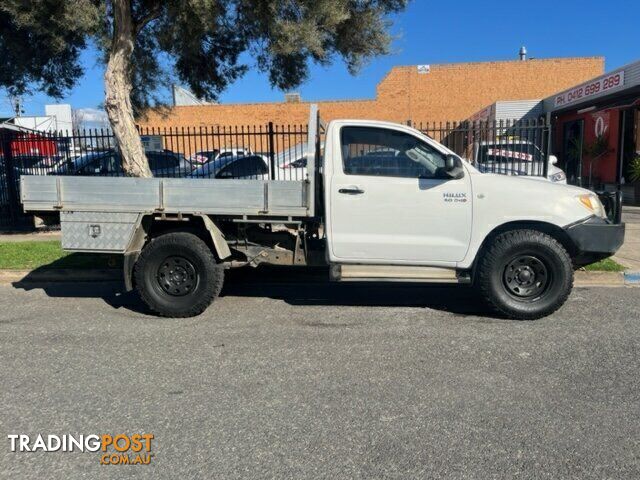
{"x":558,"y":177}
{"x":593,"y":204}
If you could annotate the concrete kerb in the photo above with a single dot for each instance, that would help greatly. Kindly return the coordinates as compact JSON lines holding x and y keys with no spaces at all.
{"x":632,"y":278}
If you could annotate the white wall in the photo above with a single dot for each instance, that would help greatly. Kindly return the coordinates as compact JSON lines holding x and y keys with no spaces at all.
{"x":56,"y":118}
{"x":62,"y":115}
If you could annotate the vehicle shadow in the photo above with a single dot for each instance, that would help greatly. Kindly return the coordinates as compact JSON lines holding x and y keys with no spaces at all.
{"x":293,"y":285}
{"x":112,"y":292}
{"x":311,"y":286}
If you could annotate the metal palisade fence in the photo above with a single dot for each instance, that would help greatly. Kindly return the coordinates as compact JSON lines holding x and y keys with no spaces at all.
{"x":503,"y":147}
{"x":268,"y":151}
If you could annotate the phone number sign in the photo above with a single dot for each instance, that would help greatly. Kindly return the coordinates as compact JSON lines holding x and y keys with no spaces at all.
{"x":589,"y":89}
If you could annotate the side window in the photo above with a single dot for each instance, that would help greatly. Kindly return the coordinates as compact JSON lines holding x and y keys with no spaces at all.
{"x":210,"y":155}
{"x":388,"y":153}
{"x":244,"y":167}
{"x":162,"y":160}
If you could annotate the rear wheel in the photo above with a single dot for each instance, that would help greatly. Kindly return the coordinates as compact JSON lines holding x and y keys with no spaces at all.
{"x":177,"y":275}
{"x":525,"y":274}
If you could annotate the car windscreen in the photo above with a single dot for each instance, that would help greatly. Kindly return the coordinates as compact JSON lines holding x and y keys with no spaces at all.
{"x":209,"y":154}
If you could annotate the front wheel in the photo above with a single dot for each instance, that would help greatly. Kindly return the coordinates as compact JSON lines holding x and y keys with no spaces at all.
{"x":525,"y":274}
{"x":177,"y":275}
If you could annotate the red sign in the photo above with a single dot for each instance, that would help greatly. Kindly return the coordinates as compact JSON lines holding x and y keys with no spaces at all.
{"x":591,"y":88}
{"x":33,"y":144}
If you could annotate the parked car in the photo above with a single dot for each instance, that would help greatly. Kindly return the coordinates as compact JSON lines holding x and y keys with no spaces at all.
{"x":250,"y":166}
{"x":205,"y":156}
{"x":516,"y":157}
{"x":108,"y":162}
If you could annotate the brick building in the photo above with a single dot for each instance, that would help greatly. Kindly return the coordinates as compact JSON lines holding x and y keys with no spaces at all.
{"x":444,"y":92}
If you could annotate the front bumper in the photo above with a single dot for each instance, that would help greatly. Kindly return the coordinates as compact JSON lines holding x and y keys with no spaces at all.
{"x":595,"y":238}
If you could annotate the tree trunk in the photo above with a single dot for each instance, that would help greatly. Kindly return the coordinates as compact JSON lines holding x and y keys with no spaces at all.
{"x":118,"y":92}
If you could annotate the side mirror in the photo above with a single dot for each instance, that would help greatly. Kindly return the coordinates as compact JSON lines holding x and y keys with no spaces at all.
{"x":553,"y":160}
{"x":453,"y":167}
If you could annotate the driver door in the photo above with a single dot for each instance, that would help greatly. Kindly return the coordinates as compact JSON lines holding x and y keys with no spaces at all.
{"x":390,"y":201}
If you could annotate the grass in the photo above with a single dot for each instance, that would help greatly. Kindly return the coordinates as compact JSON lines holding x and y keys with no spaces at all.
{"x":32,"y":255}
{"x":606,"y":265}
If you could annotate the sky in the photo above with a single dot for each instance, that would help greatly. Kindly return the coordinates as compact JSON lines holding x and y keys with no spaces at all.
{"x":429,"y":32}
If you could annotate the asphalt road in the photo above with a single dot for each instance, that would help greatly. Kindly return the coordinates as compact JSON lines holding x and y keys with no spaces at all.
{"x":312,"y":380}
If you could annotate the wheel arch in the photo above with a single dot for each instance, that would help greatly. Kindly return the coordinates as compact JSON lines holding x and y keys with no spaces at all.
{"x":150,"y":227}
{"x":550,"y":229}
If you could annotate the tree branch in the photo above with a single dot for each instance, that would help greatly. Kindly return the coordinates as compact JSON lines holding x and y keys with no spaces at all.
{"x":152,"y":14}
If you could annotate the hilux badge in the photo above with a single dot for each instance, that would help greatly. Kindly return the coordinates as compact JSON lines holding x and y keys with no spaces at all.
{"x":455,"y":197}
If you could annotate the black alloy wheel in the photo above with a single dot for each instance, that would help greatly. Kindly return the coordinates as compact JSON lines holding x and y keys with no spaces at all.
{"x":177,"y":276}
{"x":526,"y":277}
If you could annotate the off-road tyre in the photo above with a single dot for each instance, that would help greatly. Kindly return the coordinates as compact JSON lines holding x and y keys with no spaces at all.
{"x":177,"y":275}
{"x":524,"y":274}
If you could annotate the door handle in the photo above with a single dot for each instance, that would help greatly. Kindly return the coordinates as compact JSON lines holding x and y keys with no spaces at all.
{"x":351,"y":191}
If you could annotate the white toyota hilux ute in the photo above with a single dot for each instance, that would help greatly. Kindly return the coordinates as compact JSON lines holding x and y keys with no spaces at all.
{"x":383,"y":203}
